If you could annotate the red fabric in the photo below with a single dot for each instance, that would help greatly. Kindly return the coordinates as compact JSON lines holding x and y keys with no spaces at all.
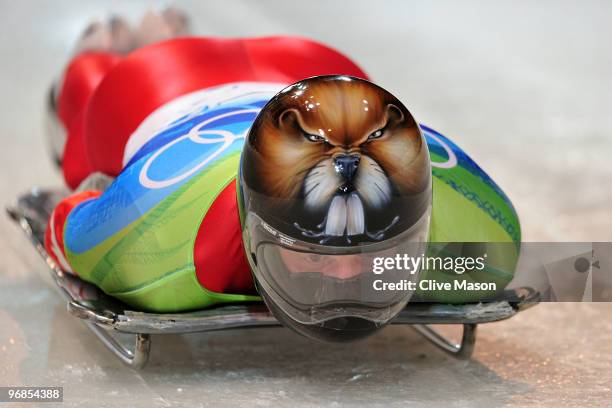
{"x":55,"y":226}
{"x":110,"y":95}
{"x":218,"y":248}
{"x":159,"y":73}
{"x":81,"y":78}
{"x":75,"y":164}
{"x":104,"y":110}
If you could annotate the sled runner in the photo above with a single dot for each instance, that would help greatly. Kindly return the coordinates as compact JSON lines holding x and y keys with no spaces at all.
{"x":106,"y":316}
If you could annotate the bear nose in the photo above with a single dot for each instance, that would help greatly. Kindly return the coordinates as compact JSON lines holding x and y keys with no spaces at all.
{"x":346,"y":165}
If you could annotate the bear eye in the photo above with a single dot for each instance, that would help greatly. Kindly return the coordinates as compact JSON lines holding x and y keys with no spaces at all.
{"x":314,"y":138}
{"x":377,"y":134}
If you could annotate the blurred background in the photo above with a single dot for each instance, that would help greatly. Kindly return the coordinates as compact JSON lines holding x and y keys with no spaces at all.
{"x":523,"y":87}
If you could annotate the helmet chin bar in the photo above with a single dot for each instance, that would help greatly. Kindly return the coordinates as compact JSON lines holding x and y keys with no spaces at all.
{"x":332,"y":296}
{"x":340,"y":329}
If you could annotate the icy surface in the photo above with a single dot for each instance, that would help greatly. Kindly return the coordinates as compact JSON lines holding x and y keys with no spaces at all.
{"x":523,"y":87}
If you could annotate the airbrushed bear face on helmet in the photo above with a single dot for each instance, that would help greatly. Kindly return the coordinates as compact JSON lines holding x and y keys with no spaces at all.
{"x":341,"y":160}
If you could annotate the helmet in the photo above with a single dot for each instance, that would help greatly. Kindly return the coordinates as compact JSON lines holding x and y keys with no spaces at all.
{"x":334,"y":177}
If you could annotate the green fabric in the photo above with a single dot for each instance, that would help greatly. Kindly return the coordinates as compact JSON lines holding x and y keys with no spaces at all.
{"x":472,"y":212}
{"x":149,"y":264}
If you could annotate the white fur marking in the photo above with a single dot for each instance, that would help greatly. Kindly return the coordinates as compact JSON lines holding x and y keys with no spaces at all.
{"x":321,"y":184}
{"x":372,"y":183}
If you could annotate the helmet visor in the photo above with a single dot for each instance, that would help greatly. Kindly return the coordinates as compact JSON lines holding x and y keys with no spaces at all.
{"x":314,"y":283}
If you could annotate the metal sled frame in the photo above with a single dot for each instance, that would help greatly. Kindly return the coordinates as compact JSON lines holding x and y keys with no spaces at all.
{"x":105,"y":316}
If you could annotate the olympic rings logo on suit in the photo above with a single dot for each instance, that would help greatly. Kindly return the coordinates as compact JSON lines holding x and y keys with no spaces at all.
{"x":199,"y":135}
{"x":452,"y":157}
